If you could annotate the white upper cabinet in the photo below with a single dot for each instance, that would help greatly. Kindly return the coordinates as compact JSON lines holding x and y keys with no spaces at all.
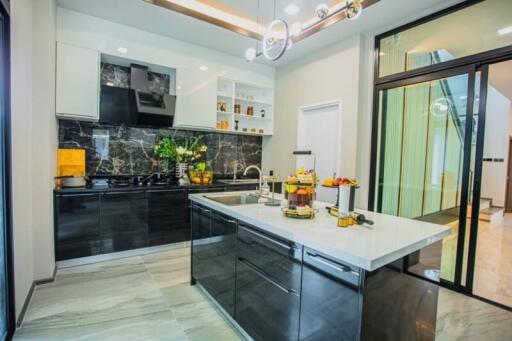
{"x":196,"y":99}
{"x":78,"y":82}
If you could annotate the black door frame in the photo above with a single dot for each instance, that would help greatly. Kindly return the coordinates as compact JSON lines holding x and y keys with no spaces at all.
{"x":6,"y":122}
{"x":465,"y":70}
{"x":477,"y":63}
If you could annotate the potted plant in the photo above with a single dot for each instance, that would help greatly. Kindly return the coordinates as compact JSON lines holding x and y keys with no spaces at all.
{"x":182,"y":154}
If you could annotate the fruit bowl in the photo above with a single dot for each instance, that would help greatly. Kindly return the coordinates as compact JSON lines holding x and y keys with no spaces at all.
{"x":199,"y":177}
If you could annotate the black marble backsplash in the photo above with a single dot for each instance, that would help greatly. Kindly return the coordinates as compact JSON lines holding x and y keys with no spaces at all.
{"x":121,"y":150}
{"x":119,"y":76}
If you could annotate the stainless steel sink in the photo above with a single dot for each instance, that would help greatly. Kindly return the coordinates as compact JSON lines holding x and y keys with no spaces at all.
{"x":234,"y":200}
{"x":239,"y":181}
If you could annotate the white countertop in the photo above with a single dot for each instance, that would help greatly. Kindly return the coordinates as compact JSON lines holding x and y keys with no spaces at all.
{"x":367,"y":247}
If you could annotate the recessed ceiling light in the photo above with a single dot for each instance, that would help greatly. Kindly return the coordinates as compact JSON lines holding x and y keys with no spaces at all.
{"x":382,"y":54}
{"x":122,"y":50}
{"x":505,"y":30}
{"x":179,"y":87}
{"x":292,"y":9}
{"x":203,"y":68}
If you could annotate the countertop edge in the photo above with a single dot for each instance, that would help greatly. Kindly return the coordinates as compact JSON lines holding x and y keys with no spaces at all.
{"x":364,"y":263}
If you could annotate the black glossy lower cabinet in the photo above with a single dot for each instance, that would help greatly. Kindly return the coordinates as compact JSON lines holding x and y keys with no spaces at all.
{"x":123,"y":223}
{"x":77,"y":220}
{"x":265,"y":309}
{"x":331,"y":299}
{"x":167,"y":216}
{"x":213,"y":255}
{"x":201,"y":233}
{"x":279,"y":290}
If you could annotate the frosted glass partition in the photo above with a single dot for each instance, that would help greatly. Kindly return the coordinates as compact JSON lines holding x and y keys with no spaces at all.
{"x":448,"y":37}
{"x":422,"y":146}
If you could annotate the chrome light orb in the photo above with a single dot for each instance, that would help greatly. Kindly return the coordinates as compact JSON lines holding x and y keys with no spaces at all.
{"x":250,"y":54}
{"x":354,"y":9}
{"x":322,"y":11}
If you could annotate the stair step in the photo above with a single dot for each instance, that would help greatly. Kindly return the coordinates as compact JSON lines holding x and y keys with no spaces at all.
{"x":491,"y":214}
{"x":485,"y":203}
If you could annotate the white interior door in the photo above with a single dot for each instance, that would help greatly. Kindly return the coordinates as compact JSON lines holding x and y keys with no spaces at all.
{"x":319,"y":130}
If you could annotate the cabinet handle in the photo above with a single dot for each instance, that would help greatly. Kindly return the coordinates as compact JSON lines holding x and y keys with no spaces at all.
{"x":230,"y":221}
{"x":281,"y":244}
{"x":164,"y":190}
{"x":117,"y":193}
{"x":331,"y":264}
{"x":78,"y":195}
{"x":205,"y":210}
{"x":264,"y":276}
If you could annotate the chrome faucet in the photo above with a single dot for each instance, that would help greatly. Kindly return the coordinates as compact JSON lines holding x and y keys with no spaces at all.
{"x":141,"y":182}
{"x":259,"y":171}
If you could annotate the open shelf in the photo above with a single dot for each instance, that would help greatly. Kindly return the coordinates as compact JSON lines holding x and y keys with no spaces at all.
{"x":244,"y":96}
{"x":243,"y":116}
{"x":238,"y":99}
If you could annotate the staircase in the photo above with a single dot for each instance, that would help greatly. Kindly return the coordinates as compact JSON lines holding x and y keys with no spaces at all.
{"x":489,"y":213}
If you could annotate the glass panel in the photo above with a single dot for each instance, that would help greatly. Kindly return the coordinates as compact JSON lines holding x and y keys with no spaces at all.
{"x":3,"y":263}
{"x":448,"y":37}
{"x":422,"y":142}
{"x":492,"y":275}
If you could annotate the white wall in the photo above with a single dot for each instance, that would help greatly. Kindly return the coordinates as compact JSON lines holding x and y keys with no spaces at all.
{"x":105,"y":36}
{"x":494,"y":174}
{"x":21,"y":126}
{"x":330,"y":74}
{"x":44,"y":135}
{"x":34,"y":138}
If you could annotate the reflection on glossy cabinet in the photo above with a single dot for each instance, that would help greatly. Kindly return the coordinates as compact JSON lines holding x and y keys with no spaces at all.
{"x":77,"y":220}
{"x":223,"y":256}
{"x":331,"y":299}
{"x":264,"y":308}
{"x":123,"y":221}
{"x":196,"y":99}
{"x":167,"y":216}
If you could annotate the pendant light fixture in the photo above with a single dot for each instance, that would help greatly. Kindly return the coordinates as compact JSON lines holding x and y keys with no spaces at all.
{"x":278,"y":35}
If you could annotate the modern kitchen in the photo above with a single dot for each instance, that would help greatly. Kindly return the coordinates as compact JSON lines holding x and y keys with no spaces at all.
{"x":256,"y":170}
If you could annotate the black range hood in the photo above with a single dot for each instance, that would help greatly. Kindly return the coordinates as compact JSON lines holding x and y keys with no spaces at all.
{"x":136,"y":106}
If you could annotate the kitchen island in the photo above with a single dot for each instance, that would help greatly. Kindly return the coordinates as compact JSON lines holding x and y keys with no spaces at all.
{"x":278,"y":278}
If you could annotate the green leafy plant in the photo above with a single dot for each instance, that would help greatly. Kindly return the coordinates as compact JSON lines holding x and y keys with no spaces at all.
{"x":192,"y":150}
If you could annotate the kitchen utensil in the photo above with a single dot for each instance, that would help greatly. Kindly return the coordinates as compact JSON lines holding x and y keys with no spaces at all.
{"x":72,"y":181}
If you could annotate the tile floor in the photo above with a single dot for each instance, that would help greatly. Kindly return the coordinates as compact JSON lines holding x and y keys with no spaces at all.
{"x":493,"y":277}
{"x":149,"y":298}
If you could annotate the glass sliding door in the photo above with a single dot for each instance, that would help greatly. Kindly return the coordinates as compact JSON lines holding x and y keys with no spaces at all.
{"x":422,"y":140}
{"x":488,"y":254}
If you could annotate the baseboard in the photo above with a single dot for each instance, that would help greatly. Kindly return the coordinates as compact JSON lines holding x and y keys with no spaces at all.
{"x":35,"y":283}
{"x":25,"y":305}
{"x":47,"y":280}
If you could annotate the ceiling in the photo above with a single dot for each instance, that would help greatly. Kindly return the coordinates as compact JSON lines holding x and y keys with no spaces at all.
{"x":500,"y":77}
{"x":382,"y":16}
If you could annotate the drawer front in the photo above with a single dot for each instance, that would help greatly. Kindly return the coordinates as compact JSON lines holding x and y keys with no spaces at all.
{"x":265,"y":309}
{"x":279,"y":258}
{"x":331,"y":299}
